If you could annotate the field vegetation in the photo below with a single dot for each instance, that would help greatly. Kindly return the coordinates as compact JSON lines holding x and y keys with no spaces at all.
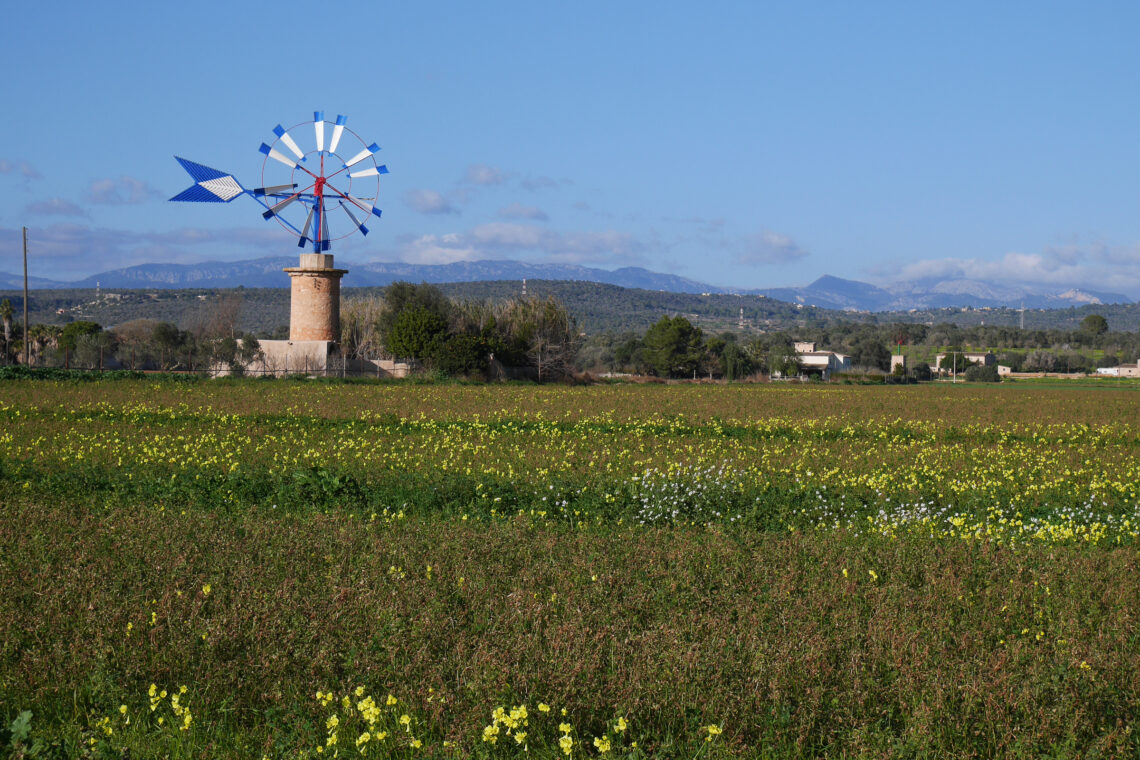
{"x":291,"y":569}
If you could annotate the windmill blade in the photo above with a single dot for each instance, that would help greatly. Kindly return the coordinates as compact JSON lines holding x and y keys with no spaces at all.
{"x":276,"y":209}
{"x":338,"y":130}
{"x":370,"y":172}
{"x":319,"y":128}
{"x":318,"y":223}
{"x":366,"y":206}
{"x":275,"y":190}
{"x":359,"y":225}
{"x":325,"y":243}
{"x":305,"y":231}
{"x":277,"y":155}
{"x":370,"y":150}
{"x":284,"y":137}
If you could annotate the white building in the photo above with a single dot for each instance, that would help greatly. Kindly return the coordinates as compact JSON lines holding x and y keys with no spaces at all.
{"x":823,"y":363}
{"x":945,"y":363}
{"x":1121,"y":370}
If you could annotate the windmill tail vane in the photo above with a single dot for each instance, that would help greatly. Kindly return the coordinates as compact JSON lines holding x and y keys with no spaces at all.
{"x":210,"y":185}
{"x":321,"y":180}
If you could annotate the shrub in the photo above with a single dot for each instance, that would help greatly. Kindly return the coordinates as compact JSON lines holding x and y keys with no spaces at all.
{"x":983,"y":373}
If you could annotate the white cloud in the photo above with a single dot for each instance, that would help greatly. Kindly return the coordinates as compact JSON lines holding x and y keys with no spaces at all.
{"x":122,"y":191}
{"x":55,"y":207}
{"x":23,"y":168}
{"x":541,"y":183}
{"x":481,"y":174}
{"x":767,"y":247}
{"x":506,"y":235}
{"x":70,"y":251}
{"x":1097,"y":267}
{"x":438,"y":249}
{"x":704,"y":223}
{"x":428,"y":202}
{"x":519,"y":211}
{"x":509,"y":240}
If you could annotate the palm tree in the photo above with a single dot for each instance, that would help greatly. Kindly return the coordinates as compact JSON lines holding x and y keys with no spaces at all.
{"x":43,"y":337}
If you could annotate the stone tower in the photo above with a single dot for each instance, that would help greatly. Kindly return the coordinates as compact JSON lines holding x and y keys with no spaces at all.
{"x":314,"y":312}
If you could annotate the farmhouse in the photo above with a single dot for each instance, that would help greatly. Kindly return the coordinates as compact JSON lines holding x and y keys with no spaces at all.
{"x":1121,"y":370}
{"x":945,"y":362}
{"x":823,"y":363}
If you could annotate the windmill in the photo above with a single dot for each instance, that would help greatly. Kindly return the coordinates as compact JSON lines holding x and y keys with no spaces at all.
{"x":319,"y":195}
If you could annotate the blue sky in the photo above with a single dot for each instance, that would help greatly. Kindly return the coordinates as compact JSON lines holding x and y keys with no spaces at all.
{"x":749,"y":144}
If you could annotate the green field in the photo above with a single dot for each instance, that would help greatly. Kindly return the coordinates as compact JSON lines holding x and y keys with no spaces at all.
{"x":674,"y":571}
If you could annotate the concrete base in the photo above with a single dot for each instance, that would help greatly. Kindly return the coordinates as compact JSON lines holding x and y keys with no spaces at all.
{"x":285,"y":357}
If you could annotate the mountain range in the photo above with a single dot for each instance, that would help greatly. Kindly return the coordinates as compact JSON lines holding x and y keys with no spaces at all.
{"x":826,"y":292}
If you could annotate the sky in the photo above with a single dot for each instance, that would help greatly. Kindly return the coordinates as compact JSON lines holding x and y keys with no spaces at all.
{"x":742,"y":144}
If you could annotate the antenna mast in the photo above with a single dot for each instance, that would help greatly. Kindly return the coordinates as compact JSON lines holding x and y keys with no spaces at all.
{"x":26,"y":355}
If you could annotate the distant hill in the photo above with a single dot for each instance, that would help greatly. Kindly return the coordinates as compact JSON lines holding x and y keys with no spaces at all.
{"x":597,"y":307}
{"x":383,"y":273}
{"x":834,"y":293}
{"x":16,"y":282}
{"x":827,"y":292}
{"x":266,"y":273}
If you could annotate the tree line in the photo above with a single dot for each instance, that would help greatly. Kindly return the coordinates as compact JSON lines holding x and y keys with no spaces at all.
{"x":461,"y":338}
{"x":674,"y":347}
{"x":527,"y":337}
{"x":539,"y":338}
{"x":139,"y":344}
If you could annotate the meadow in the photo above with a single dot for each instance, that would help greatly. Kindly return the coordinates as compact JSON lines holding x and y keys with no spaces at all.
{"x":401,"y":570}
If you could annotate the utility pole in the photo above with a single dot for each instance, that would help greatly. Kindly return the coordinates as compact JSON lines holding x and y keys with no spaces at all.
{"x":26,"y":355}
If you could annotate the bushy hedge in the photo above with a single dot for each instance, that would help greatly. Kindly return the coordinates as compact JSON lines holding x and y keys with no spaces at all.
{"x":20,"y":372}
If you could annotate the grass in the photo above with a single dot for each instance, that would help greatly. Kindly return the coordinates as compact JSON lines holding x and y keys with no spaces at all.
{"x":799,"y":631}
